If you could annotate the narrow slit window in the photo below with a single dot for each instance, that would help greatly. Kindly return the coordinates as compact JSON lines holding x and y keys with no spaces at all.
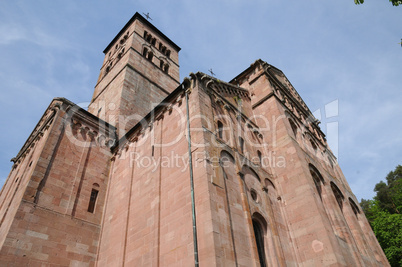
{"x":259,"y":238}
{"x":220,"y":129}
{"x":92,"y":200}
{"x":259,"y":156}
{"x":241,"y":144}
{"x":150,"y":56}
{"x":166,"y":68}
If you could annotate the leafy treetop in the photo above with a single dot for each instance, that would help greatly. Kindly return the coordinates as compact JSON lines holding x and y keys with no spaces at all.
{"x":394,"y":2}
{"x":384,"y":215}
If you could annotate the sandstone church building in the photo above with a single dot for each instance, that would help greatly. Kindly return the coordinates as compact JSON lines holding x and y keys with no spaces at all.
{"x":159,"y":172}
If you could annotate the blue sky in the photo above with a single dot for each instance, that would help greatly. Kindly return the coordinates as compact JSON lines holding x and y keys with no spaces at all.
{"x":329,"y":50}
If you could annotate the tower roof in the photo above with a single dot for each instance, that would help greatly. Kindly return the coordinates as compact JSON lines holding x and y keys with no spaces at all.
{"x":149,"y":24}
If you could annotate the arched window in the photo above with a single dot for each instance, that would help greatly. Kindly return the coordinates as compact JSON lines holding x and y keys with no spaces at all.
{"x":354,"y":207}
{"x":93,"y":197}
{"x":259,"y":156}
{"x":259,"y":226}
{"x":313,"y":145}
{"x":338,"y":195}
{"x":317,"y":178}
{"x":145,"y":52}
{"x":294,"y":127}
{"x":220,"y":129}
{"x":166,"y":68}
{"x":150,"y":56}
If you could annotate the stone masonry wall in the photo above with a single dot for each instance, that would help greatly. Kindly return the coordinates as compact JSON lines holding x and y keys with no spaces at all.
{"x":52,"y":223}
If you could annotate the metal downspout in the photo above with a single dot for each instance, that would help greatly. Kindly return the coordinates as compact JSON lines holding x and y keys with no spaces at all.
{"x":190,"y":159}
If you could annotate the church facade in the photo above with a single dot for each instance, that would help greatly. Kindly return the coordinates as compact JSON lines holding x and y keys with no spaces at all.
{"x":159,"y":172}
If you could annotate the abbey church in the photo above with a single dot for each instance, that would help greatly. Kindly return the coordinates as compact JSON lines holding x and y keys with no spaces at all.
{"x":163,"y":172}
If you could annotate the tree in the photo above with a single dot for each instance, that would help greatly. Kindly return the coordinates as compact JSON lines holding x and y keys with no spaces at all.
{"x":387,"y":228}
{"x":383,"y":214}
{"x":394,"y":2}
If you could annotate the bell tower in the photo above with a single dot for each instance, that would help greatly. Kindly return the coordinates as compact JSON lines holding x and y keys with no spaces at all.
{"x":141,"y":67}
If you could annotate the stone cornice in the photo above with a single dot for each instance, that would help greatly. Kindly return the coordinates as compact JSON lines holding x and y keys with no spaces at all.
{"x":77,"y":114}
{"x":37,"y":133}
{"x":222,"y":87}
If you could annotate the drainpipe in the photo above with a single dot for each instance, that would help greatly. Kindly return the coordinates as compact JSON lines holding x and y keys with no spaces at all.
{"x":190,"y":159}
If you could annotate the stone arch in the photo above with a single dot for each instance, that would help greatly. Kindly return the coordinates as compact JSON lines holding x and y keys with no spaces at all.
{"x":338,"y":195}
{"x":292,"y":122}
{"x":246,"y":169}
{"x":268,"y":182}
{"x":317,"y":178}
{"x":354,"y":207}
{"x":309,"y":141}
{"x":226,"y":157}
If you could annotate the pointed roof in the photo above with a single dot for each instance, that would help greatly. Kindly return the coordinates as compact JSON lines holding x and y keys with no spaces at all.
{"x":146,"y":22}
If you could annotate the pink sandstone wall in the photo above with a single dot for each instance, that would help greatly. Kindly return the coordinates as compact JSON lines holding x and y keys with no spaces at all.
{"x":50,"y":222}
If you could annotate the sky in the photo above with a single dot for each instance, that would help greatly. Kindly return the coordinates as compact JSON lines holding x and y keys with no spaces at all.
{"x":343,"y":59}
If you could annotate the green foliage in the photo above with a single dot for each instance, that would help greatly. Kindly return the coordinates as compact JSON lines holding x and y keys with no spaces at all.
{"x":394,"y":2}
{"x":387,"y":228}
{"x":383,"y":213}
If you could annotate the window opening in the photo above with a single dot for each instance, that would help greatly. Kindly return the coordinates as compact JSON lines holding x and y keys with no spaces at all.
{"x":259,"y":156}
{"x":241,"y":144}
{"x":354,"y":207}
{"x":338,"y":195}
{"x":294,"y":127}
{"x":166,"y":68}
{"x":150,"y":56}
{"x":145,"y":52}
{"x":317,"y":182}
{"x":313,"y":144}
{"x":220,"y":129}
{"x":92,"y":200}
{"x":259,"y":239}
